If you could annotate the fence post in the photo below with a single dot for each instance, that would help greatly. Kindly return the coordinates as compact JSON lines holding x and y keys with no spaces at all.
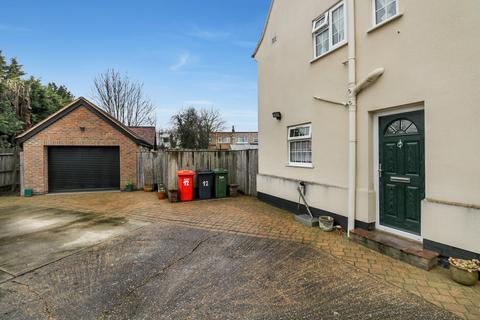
{"x":15,"y":169}
{"x":22,"y":182}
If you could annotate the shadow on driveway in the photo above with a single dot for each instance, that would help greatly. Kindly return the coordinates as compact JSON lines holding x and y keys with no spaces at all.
{"x":31,"y":237}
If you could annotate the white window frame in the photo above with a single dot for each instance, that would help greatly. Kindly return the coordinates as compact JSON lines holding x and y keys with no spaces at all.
{"x":329,"y":23}
{"x":302,"y":138}
{"x":255,"y":140}
{"x":224,"y":140}
{"x":244,"y":140}
{"x":374,"y":13}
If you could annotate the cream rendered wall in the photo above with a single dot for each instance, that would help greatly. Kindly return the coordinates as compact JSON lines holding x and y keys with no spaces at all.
{"x":287,"y":83}
{"x":430,"y":56}
{"x":429,"y":59}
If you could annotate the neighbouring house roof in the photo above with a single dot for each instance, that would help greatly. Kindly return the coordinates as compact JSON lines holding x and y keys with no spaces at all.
{"x":264,"y":29}
{"x":234,"y":132}
{"x":82,"y":102}
{"x":148,"y":134}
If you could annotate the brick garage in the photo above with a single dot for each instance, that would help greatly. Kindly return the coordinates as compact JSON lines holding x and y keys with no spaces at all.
{"x":81,"y":126}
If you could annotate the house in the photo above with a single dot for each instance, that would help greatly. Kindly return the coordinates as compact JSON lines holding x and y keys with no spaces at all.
{"x":233,"y":140}
{"x":374,"y":105}
{"x":82,"y":148}
{"x":164,"y":140}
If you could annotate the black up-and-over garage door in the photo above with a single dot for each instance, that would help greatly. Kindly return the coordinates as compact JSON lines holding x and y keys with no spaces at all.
{"x":83,"y":169}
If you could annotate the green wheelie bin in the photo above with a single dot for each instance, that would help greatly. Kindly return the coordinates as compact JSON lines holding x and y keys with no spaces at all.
{"x":221,"y":182}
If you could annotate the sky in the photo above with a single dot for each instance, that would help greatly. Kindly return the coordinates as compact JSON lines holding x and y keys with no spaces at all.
{"x":186,"y":53}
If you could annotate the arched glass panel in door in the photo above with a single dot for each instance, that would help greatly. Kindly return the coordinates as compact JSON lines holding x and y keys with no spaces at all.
{"x":401,"y":127}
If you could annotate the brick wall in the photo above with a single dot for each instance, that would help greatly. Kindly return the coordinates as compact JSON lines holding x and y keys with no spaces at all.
{"x":66,"y":132}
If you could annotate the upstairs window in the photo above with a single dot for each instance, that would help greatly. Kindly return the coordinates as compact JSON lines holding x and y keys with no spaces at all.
{"x":224,"y":140}
{"x":384,"y":10}
{"x":242,"y":139}
{"x":329,"y":30}
{"x":300,"y":145}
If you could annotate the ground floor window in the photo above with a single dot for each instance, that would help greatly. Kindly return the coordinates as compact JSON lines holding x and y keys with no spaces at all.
{"x":300,"y":145}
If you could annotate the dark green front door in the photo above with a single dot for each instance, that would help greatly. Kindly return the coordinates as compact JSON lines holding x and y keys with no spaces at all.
{"x":402,"y":170}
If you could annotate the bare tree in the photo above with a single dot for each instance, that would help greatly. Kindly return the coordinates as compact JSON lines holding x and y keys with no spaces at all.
{"x":123,"y":98}
{"x":211,"y":121}
{"x":192,"y":127}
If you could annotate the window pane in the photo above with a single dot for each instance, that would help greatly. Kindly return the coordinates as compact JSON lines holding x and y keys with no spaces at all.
{"x":380,"y":4}
{"x":319,"y":22}
{"x":391,"y":9}
{"x":321,"y":42}
{"x":338,"y":25}
{"x":385,"y":9}
{"x":401,"y":127}
{"x":381,"y":15}
{"x":299,"y":132}
{"x":301,"y":151}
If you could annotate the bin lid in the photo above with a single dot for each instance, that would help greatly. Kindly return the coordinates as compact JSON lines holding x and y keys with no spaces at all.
{"x":204,"y":171}
{"x":220,"y":171}
{"x":186,"y":173}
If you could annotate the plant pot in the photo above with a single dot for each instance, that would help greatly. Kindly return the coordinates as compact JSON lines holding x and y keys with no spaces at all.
{"x":233,"y":189}
{"x":161,"y":195}
{"x":463,"y":276}
{"x":148,"y":188}
{"x":129,"y":188}
{"x":28,"y":193}
{"x":173,"y":195}
{"x":326,"y":223}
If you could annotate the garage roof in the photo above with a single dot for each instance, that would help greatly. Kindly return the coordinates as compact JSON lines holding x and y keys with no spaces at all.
{"x":148,"y":134}
{"x":82,"y":102}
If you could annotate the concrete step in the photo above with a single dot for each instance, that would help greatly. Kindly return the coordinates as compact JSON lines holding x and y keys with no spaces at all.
{"x":399,"y":248}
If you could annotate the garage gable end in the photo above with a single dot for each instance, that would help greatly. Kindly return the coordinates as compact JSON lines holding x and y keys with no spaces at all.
{"x":82,"y":102}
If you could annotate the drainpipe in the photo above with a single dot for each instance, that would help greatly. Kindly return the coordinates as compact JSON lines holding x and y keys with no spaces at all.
{"x":352,"y":92}
{"x":352,"y":116}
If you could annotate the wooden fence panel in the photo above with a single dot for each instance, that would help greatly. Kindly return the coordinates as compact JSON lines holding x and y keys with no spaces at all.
{"x":162,"y":166}
{"x":9,"y":168}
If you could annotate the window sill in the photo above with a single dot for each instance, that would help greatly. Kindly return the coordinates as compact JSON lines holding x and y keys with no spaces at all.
{"x":303,"y":165}
{"x":343,"y":44}
{"x":378,"y":26}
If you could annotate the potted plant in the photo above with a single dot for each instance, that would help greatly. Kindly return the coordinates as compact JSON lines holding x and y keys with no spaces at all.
{"x":233,"y":190}
{"x":129,"y":187}
{"x":173,"y":195}
{"x":162,"y":193}
{"x":464,"y":271}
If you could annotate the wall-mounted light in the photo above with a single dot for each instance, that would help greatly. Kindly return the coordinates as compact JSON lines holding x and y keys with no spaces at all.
{"x":277,"y":115}
{"x":82,"y":129}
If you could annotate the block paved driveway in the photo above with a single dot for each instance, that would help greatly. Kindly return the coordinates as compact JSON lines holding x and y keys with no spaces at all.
{"x":137,"y":258}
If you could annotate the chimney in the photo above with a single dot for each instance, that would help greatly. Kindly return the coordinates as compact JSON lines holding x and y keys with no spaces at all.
{"x":233,"y":128}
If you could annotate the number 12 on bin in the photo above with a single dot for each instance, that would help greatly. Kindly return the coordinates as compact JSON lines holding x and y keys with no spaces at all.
{"x":186,"y":182}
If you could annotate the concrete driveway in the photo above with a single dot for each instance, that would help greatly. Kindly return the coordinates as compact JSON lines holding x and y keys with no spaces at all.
{"x":32,"y":237}
{"x":169,"y":270}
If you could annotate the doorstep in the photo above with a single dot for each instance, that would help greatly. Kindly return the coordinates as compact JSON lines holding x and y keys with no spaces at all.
{"x":399,"y":248}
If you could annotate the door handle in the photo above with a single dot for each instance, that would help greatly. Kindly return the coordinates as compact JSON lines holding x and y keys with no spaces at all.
{"x":400,"y":179}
